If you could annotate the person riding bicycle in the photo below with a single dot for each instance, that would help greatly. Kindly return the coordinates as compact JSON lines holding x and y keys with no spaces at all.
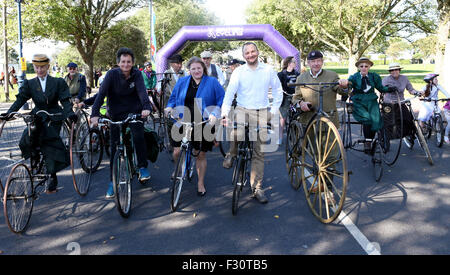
{"x":172,"y":75}
{"x":430,"y":91}
{"x":400,"y":82}
{"x":307,"y":99}
{"x":124,"y":86}
{"x":288,"y":75}
{"x":46,"y":92}
{"x":76,"y":82}
{"x":200,"y":95}
{"x":365,"y":102}
{"x":447,"y":117}
{"x":251,"y":83}
{"x":149,"y":76}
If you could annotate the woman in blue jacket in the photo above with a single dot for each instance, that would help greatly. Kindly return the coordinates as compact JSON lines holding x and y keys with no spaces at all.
{"x":195,"y":98}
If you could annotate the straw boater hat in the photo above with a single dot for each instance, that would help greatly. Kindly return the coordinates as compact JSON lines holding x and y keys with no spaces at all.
{"x":394,"y":66}
{"x":40,"y":60}
{"x":364,"y":60}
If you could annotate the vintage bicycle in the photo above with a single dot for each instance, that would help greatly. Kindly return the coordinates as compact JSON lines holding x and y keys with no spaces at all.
{"x":318,"y":161}
{"x":27,"y":179}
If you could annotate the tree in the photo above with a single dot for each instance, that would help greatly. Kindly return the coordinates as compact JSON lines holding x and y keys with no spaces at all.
{"x":113,"y":39}
{"x":425,"y":48}
{"x":170,"y":17}
{"x":292,"y":27}
{"x":442,"y":33}
{"x":396,"y":47}
{"x":81,"y":23}
{"x":353,"y":25}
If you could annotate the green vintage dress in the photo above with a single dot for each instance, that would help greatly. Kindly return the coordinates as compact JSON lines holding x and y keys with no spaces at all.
{"x":365,"y":104}
{"x":55,"y":153}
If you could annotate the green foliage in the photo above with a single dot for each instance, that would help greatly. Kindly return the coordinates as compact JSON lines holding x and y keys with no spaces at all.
{"x":67,"y":55}
{"x":120,"y":35}
{"x":171,"y":17}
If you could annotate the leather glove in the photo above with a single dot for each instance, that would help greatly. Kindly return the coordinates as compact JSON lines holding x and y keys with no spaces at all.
{"x":392,"y":89}
{"x":73,"y":118}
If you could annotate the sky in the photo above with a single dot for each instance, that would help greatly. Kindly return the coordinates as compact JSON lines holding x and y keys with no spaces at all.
{"x":231,"y":12}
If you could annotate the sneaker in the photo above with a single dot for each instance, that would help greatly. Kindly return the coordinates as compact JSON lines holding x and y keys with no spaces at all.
{"x":260,"y":196}
{"x":228,"y":161}
{"x":144,"y":174}
{"x":110,"y":192}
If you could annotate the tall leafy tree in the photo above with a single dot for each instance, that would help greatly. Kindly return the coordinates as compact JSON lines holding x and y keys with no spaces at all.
{"x":442,"y":32}
{"x":171,"y":17}
{"x":81,"y":23}
{"x":353,"y":25}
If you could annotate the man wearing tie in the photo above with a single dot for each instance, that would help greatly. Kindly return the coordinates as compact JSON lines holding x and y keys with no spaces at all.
{"x":47,"y":93}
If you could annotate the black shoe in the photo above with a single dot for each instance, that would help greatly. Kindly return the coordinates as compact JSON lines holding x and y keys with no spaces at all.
{"x":53,"y":183}
{"x":201,"y":194}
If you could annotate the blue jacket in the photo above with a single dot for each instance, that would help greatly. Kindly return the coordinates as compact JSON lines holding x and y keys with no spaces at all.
{"x":210,"y":92}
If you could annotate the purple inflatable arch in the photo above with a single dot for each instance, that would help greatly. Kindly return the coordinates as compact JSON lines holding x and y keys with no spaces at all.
{"x":265,"y":32}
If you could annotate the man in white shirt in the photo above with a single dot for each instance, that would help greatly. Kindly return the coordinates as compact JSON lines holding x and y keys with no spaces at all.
{"x":172,"y":75}
{"x":213,"y":69}
{"x":251,"y":83}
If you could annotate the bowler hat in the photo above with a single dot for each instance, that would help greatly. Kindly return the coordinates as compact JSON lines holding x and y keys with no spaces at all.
{"x":40,"y":59}
{"x":364,"y":60}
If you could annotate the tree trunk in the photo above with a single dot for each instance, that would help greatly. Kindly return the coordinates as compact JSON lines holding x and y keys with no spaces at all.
{"x":351,"y":63}
{"x":443,"y":32}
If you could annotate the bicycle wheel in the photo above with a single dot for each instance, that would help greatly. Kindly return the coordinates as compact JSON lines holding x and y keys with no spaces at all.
{"x":65,"y":134}
{"x":377,"y":159}
{"x":178,"y":179}
{"x":422,"y":142}
{"x":293,"y":152}
{"x":121,"y":178}
{"x":392,"y":132}
{"x":324,"y":169}
{"x":224,"y":142}
{"x":18,"y":198}
{"x":238,"y":183}
{"x":440,"y":131}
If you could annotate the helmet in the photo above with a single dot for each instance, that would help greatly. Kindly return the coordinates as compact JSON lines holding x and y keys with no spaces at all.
{"x":429,"y":77}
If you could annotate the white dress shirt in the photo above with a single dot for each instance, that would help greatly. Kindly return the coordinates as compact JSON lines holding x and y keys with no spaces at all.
{"x":252,"y":88}
{"x":43,"y":82}
{"x":220,"y":75}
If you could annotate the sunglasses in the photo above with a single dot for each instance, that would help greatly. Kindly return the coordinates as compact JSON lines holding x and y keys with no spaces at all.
{"x":364,"y":66}
{"x":394,"y":70}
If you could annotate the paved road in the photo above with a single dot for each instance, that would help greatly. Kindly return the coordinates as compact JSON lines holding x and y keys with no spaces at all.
{"x":408,"y":212}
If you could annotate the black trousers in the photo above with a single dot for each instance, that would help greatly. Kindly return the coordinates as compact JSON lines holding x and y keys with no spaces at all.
{"x":137,"y":134}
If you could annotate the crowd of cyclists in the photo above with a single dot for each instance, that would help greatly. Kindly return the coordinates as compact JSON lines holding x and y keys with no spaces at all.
{"x":250,"y":91}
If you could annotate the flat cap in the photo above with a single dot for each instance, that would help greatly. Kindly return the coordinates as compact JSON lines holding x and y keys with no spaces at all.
{"x":314,"y":55}
{"x":72,"y":65}
{"x":176,"y":58}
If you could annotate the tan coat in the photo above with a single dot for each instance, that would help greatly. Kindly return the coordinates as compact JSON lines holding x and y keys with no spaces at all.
{"x":308,"y":95}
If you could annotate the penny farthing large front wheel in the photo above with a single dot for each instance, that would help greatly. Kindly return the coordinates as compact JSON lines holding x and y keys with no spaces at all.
{"x":324,"y":169}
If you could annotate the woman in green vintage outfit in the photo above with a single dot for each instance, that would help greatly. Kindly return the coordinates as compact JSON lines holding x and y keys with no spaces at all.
{"x":365,"y":101}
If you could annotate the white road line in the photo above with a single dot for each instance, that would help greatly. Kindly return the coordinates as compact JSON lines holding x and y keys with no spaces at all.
{"x":371,"y":248}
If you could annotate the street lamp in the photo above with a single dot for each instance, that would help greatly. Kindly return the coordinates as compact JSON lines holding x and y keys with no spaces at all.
{"x":23,"y":64}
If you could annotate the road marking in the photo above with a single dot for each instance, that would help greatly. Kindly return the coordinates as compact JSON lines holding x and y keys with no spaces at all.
{"x":371,"y":248}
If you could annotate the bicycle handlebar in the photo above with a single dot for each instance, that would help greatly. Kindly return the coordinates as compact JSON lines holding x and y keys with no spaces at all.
{"x":13,"y":115}
{"x":434,"y":100}
{"x":188,"y":123}
{"x":314,"y":84}
{"x":132,"y":118}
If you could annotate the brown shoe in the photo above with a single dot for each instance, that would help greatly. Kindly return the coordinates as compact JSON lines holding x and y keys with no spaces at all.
{"x":260,"y":196}
{"x":228,"y":161}
{"x":367,"y":147}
